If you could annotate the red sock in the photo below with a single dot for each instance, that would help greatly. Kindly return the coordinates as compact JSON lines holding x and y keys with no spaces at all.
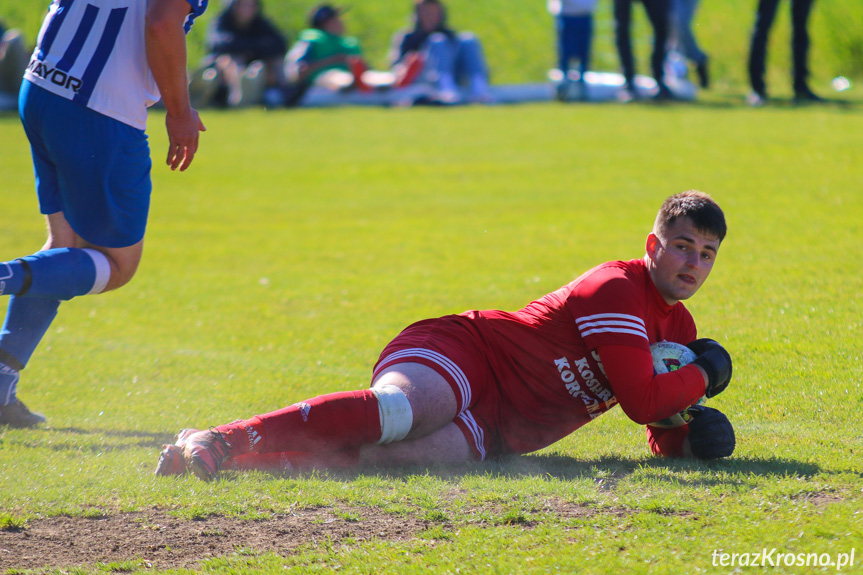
{"x":294,"y":460}
{"x":357,"y":67}
{"x":326,"y":423}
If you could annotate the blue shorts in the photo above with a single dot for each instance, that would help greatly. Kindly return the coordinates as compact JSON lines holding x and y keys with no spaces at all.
{"x":94,"y":169}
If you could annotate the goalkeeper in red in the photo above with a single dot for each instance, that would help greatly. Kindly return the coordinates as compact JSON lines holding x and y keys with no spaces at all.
{"x":487,"y":384}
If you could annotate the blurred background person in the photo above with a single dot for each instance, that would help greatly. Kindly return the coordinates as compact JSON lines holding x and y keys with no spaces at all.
{"x":449,"y":59}
{"x":682,"y":39}
{"x":657,"y":13}
{"x":13,"y":60}
{"x":573,"y":22}
{"x":324,"y":56}
{"x":244,"y":64}
{"x":764,"y":18}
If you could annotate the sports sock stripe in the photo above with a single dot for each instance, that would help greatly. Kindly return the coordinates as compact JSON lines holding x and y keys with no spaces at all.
{"x":103,"y":270}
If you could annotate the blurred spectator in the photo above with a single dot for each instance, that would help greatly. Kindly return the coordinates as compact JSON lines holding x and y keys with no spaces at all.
{"x":244,"y":66}
{"x":799,"y":48}
{"x":449,"y":59}
{"x":657,"y":13}
{"x":323,"y":56}
{"x":682,"y":39}
{"x":13,"y":60}
{"x":574,"y":25}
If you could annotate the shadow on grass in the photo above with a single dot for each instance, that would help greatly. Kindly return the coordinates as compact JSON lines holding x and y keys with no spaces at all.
{"x":737,"y":102}
{"x":607,"y":471}
{"x":96,"y":440}
{"x":614,"y":469}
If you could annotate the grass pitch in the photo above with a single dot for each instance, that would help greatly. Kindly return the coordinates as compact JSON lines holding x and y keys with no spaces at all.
{"x":300,"y":242}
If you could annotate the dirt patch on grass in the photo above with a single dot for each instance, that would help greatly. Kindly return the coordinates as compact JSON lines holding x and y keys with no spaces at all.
{"x":159,"y":540}
{"x":162,"y":541}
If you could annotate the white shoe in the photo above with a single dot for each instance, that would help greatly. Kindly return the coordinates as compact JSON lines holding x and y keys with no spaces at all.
{"x":447,"y":97}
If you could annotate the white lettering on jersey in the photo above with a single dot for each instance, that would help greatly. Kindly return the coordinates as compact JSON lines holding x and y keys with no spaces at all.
{"x":55,"y":76}
{"x":588,"y":379}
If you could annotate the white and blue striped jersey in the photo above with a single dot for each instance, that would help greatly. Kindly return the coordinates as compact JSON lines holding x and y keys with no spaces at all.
{"x":93,"y":53}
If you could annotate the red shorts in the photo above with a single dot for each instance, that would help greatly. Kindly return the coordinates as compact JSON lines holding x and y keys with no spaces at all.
{"x":489,"y":419}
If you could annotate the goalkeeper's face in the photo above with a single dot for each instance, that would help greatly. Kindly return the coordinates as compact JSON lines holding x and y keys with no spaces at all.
{"x":680,"y":258}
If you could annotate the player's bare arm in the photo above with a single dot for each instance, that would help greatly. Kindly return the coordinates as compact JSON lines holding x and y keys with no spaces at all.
{"x":166,"y":54}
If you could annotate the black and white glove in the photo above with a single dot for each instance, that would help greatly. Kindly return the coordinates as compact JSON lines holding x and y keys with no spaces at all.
{"x":714,"y":360}
{"x":711,"y":435}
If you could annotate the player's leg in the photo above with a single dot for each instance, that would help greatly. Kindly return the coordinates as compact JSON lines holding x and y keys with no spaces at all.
{"x":69,"y":266}
{"x":60,"y":271}
{"x":95,"y":194}
{"x":406,"y":401}
{"x":447,"y":445}
{"x":97,"y":189}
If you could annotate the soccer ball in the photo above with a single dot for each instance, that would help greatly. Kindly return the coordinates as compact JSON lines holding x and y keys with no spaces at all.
{"x":667,"y":357}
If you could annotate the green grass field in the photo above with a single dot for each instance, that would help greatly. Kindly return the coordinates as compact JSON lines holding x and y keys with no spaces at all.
{"x":301,"y":241}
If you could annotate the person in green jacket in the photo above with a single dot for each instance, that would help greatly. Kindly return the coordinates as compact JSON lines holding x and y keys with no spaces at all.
{"x":324,"y":56}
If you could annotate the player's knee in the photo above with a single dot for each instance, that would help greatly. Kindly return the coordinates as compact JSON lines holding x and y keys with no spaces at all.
{"x":395,"y":412}
{"x":120,"y":277}
{"x":124,"y":264}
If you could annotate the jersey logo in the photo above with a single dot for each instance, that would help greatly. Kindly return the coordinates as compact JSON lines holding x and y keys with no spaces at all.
{"x":54,"y":75}
{"x":253,"y":437}
{"x":104,"y":46}
{"x":304,"y":408}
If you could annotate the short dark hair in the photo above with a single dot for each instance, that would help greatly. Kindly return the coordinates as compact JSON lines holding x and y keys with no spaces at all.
{"x":699,"y":207}
{"x":323,"y":13}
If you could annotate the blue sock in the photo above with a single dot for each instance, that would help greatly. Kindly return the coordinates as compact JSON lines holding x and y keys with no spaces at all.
{"x":61,"y":273}
{"x":27,"y":320}
{"x":8,"y":383}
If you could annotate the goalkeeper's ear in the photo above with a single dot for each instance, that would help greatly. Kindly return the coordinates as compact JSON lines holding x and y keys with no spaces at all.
{"x":711,"y":435}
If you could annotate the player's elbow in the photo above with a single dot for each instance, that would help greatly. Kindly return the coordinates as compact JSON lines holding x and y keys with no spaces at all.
{"x":161,"y":23}
{"x":639,"y":414}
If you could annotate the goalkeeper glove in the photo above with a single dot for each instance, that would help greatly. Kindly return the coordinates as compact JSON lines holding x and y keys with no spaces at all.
{"x":711,"y":435}
{"x":715,"y":361}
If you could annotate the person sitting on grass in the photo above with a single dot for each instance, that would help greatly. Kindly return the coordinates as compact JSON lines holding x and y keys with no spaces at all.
{"x":323,"y":56}
{"x":244,"y":64}
{"x":487,"y":384}
{"x":433,"y":53}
